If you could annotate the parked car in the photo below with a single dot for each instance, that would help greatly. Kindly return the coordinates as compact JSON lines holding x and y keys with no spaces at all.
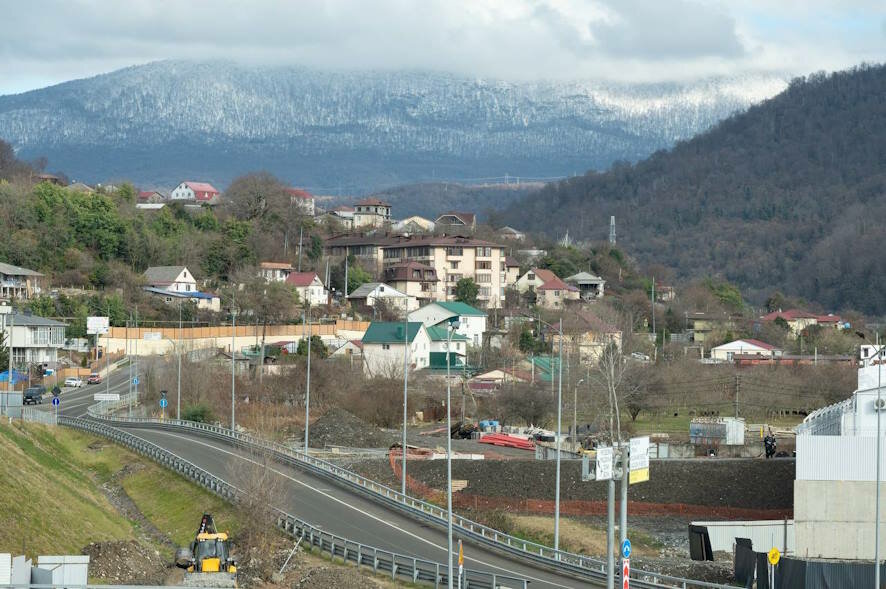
{"x":74,"y":381}
{"x":94,"y":378}
{"x":34,"y":395}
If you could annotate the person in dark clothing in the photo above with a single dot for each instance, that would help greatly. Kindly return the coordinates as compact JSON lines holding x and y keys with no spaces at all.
{"x":769,"y":445}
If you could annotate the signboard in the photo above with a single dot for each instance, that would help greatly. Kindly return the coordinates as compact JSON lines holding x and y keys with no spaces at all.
{"x":626,"y":549}
{"x":774,"y":556}
{"x":639,"y":460}
{"x":135,"y":380}
{"x":164,"y":403}
{"x":153,"y":336}
{"x":106,"y":397}
{"x":604,"y":464}
{"x":626,"y":573}
{"x":56,"y":401}
{"x":97,"y":325}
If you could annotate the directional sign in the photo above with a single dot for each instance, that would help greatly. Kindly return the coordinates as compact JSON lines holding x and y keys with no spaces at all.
{"x":164,"y":403}
{"x":56,"y":401}
{"x":135,"y":380}
{"x":639,"y":461}
{"x":626,"y":573}
{"x":97,"y":325}
{"x":774,"y":556}
{"x":106,"y":397}
{"x":604,"y":464}
{"x":626,"y":548}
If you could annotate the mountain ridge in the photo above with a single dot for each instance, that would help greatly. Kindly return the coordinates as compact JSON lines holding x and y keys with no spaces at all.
{"x":353,"y":131}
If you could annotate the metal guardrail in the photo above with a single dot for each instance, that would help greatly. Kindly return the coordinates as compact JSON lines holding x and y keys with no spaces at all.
{"x":576,"y":564}
{"x":397,"y":566}
{"x":34,"y":415}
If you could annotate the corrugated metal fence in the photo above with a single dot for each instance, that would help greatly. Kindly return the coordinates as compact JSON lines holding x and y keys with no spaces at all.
{"x":839,"y":458}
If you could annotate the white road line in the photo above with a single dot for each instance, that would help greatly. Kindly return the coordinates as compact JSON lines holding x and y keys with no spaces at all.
{"x":367,"y":514}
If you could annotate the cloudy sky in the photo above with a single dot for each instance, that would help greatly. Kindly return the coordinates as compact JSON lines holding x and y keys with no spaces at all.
{"x":50,"y":41}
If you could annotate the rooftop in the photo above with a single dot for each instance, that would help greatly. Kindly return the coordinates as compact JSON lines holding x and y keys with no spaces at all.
{"x":301,"y":278}
{"x":26,"y":320}
{"x":551,"y":281}
{"x":276,"y":265}
{"x":163,"y":274}
{"x":10,"y":270}
{"x":366,"y":289}
{"x":372,"y":202}
{"x":391,"y":332}
{"x":200,"y":186}
{"x":441,"y":334}
{"x":386,"y":241}
{"x":406,"y":271}
{"x":460,"y":309}
{"x":584,"y":278}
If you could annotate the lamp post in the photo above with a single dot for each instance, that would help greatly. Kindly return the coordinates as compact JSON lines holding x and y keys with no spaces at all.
{"x":233,"y":365}
{"x":308,"y":378}
{"x":453,"y":325}
{"x":405,"y":398}
{"x":575,"y":414}
{"x":178,"y":400}
{"x":877,"y":501}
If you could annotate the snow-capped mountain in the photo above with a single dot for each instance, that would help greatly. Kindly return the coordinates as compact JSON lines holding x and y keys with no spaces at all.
{"x":353,"y":131}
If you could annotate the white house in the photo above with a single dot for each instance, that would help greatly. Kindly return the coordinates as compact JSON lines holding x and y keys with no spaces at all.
{"x":750,"y":347}
{"x":201,"y":192}
{"x":385,"y":348}
{"x":440,"y":340}
{"x":18,"y":283}
{"x":275,"y":271}
{"x":309,"y":287}
{"x":371,"y":292}
{"x":303,"y":199}
{"x":472,"y":322}
{"x":176,"y":283}
{"x":35,"y":340}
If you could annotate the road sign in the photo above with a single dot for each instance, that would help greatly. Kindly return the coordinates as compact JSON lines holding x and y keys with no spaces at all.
{"x":153,"y":336}
{"x":626,"y":548}
{"x":604,"y":464}
{"x":97,"y":325}
{"x":774,"y":556}
{"x":164,"y":403}
{"x":639,"y":461}
{"x":106,"y":397}
{"x":626,"y":573}
{"x":56,"y":401}
{"x":135,"y":380}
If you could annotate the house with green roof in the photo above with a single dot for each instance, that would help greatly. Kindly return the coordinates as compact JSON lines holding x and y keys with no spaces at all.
{"x":458,"y":353}
{"x":472,"y":322}
{"x":388,"y":344}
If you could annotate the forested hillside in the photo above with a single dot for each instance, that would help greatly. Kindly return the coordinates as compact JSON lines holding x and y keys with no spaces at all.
{"x":788,"y":195}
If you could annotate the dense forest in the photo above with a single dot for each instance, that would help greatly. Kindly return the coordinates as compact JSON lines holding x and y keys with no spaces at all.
{"x":788,"y":195}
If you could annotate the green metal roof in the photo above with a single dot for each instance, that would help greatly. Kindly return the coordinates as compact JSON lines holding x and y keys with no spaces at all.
{"x":390,"y":332}
{"x":545,"y":367}
{"x":437,"y":333}
{"x":461,"y":309}
{"x":437,"y":361}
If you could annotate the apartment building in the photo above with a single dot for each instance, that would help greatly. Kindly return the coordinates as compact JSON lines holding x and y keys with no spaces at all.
{"x":452,"y":258}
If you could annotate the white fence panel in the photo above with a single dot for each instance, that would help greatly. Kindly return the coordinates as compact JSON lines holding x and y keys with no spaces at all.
{"x":839,"y":458}
{"x":764,"y":534}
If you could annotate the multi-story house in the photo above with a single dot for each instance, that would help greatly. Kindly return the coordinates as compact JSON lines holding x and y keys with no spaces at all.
{"x":18,"y":283}
{"x":551,"y":292}
{"x":452,"y":257}
{"x":303,"y":199}
{"x":371,"y":212}
{"x":413,"y":278}
{"x":35,"y":340}
{"x":177,"y":283}
{"x":309,"y":287}
{"x":201,"y":192}
{"x":275,"y":271}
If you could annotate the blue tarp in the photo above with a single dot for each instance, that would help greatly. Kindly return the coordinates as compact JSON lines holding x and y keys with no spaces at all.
{"x":17,"y":376}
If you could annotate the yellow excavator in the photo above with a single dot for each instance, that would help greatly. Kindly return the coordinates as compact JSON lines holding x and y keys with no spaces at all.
{"x":208,"y":561}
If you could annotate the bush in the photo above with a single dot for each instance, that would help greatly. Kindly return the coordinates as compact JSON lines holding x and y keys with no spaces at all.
{"x":200,"y":413}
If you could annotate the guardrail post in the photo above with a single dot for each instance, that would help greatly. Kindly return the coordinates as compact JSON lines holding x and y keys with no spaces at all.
{"x":437,"y":577}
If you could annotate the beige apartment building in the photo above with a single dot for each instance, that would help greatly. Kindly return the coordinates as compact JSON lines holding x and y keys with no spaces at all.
{"x":451,"y":257}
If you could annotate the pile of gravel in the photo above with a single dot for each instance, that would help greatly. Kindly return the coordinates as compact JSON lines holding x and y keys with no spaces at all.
{"x":338,"y":427}
{"x":125,"y":562}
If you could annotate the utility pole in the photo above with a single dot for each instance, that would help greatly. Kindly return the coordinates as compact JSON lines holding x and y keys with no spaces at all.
{"x":9,"y":389}
{"x":559,"y":435}
{"x":610,"y":535}
{"x":308,"y":381}
{"x":233,"y":354}
{"x":623,"y":522}
{"x":879,"y":445}
{"x":178,"y":401}
{"x":737,"y":389}
{"x":405,"y":399}
{"x":137,"y":337}
{"x":129,"y":358}
{"x":300,"y":231}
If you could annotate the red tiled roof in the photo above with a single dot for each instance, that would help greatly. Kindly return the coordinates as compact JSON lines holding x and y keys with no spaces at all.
{"x":358,"y":343}
{"x":466,"y":218}
{"x":551,"y":281}
{"x":344,"y":209}
{"x":511,"y":262}
{"x":373,"y":202}
{"x":301,"y":278}
{"x":299,"y":193}
{"x":759,"y":344}
{"x":829,"y":318}
{"x":276,"y":265}
{"x":201,"y":187}
{"x":793,"y":314}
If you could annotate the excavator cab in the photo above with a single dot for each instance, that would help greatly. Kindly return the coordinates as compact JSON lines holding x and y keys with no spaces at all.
{"x":210,"y":554}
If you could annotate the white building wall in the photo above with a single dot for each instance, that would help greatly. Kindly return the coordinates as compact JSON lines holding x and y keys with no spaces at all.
{"x":387,"y":359}
{"x":182,"y":192}
{"x":472,"y":327}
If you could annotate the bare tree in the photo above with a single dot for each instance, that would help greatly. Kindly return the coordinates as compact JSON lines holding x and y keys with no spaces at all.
{"x":611,"y":373}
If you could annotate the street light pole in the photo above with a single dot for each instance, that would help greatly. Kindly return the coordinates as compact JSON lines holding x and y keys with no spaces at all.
{"x":575,"y":415}
{"x":879,"y":443}
{"x":308,"y":382}
{"x":405,"y":398}
{"x":559,"y":435}
{"x":452,"y":327}
{"x":233,"y":354}
{"x":178,"y":401}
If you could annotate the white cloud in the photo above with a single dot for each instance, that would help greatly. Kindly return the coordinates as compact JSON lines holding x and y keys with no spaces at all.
{"x":48,"y":41}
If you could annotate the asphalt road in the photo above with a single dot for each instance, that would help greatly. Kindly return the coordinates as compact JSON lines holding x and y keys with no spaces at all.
{"x":319,"y":501}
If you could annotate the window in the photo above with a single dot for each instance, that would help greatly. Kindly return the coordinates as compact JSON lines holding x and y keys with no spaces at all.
{"x":453,"y":277}
{"x":484,"y":278}
{"x":530,"y":276}
{"x":386,"y":346}
{"x":484,"y":252}
{"x":453,"y":265}
{"x":416,"y":273}
{"x":381,"y":289}
{"x":484,"y":265}
{"x":556,"y":293}
{"x":454,"y":251}
{"x":484,"y":291}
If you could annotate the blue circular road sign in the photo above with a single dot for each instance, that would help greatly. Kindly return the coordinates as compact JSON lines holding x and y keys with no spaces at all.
{"x":164,"y":403}
{"x":56,"y":401}
{"x":135,"y":380}
{"x":626,"y":549}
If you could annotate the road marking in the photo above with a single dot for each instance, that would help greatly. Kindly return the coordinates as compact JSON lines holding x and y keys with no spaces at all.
{"x":367,"y":514}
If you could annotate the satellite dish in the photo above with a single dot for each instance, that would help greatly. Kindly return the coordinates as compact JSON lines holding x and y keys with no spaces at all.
{"x":879,"y":404}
